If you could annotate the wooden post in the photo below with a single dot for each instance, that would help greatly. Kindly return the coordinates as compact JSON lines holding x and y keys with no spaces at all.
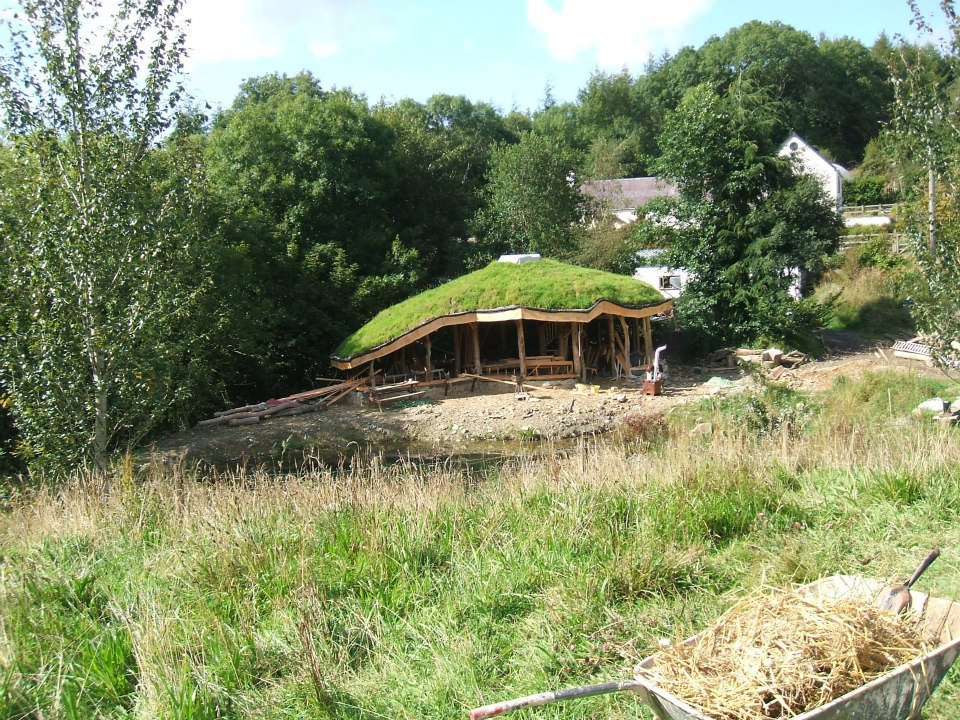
{"x":626,"y":344}
{"x":647,"y":341}
{"x":611,"y":333}
{"x":456,"y":350}
{"x":636,"y":333}
{"x":373,"y":376}
{"x":475,"y":336}
{"x":403,"y":360}
{"x":521,"y":349}
{"x":576,"y":349}
{"x":429,"y":362}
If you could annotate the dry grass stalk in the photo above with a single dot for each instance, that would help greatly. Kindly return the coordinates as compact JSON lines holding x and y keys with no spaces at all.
{"x":781,"y":653}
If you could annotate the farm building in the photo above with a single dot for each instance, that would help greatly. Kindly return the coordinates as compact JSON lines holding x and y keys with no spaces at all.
{"x":520,"y":317}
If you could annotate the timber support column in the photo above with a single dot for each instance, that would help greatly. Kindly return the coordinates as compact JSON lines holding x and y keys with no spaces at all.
{"x":576,"y":347}
{"x":612,"y":337}
{"x":456,"y":350}
{"x":626,"y":345}
{"x":429,"y":363}
{"x":648,"y":340}
{"x":475,"y":337}
{"x":521,"y":349}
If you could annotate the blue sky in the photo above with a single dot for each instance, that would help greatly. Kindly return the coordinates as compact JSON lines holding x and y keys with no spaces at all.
{"x":501,"y":51}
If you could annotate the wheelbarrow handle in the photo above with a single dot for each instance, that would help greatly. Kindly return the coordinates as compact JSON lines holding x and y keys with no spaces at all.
{"x":551,"y":696}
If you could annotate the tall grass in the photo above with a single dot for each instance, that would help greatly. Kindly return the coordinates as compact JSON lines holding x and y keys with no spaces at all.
{"x":410,"y":591}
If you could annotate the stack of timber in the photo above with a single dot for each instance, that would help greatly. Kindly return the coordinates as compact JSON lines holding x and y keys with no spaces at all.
{"x":298,"y":404}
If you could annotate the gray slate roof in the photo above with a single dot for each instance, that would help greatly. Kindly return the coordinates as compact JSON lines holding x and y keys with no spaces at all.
{"x":629,"y":193}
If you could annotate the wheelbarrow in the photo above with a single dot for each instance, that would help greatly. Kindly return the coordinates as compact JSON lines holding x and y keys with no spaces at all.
{"x":897,"y":695}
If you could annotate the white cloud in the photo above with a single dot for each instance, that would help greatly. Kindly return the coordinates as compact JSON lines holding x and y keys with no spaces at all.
{"x":619,"y":32}
{"x":225,"y":30}
{"x":324,"y":50}
{"x":234,"y":30}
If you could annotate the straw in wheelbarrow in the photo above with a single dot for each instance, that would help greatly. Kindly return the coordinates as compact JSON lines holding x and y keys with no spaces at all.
{"x":780,"y":653}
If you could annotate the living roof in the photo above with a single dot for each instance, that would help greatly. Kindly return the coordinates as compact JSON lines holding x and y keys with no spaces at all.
{"x":541,"y":285}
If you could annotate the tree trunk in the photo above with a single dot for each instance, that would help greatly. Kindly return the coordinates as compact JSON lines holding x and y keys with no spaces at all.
{"x":101,"y":435}
{"x":475,"y":340}
{"x":521,"y":349}
{"x":932,"y":208}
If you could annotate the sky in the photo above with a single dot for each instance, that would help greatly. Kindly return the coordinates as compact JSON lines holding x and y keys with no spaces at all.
{"x":505,"y":52}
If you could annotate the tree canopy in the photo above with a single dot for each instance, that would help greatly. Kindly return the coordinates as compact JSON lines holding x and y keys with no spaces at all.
{"x":745,"y":225}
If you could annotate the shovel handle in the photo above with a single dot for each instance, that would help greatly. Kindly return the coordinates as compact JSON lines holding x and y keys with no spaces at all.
{"x":927,"y":561}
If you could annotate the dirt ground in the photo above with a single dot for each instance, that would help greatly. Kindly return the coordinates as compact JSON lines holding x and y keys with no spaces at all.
{"x":490,"y":414}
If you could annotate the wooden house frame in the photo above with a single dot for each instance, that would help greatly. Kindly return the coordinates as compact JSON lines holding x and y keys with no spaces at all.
{"x":567,"y":344}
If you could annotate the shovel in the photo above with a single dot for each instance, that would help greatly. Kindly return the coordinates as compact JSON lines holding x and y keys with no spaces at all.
{"x":896,"y":599}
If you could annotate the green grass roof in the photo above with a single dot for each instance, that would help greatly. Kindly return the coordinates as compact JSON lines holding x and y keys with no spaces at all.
{"x":541,"y":285}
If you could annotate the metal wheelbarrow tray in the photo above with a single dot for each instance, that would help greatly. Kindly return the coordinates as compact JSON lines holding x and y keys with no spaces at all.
{"x":896,"y":695}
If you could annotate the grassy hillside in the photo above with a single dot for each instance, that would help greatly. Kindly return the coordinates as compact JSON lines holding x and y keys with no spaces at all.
{"x":547,"y":284}
{"x":868,"y":290}
{"x":417,"y":592}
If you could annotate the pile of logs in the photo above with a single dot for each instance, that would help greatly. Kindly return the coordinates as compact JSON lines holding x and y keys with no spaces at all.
{"x":304,"y":402}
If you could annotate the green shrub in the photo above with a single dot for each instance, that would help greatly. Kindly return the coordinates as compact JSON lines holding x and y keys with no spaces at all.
{"x":866,"y":190}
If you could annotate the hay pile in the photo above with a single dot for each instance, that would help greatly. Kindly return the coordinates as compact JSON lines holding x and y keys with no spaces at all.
{"x":782,"y":653}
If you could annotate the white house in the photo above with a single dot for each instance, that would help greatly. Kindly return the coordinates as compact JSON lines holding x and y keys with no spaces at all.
{"x":811,"y":162}
{"x":651,"y":270}
{"x":627,"y":196}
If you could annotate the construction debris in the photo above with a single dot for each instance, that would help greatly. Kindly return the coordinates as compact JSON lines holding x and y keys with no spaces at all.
{"x":913,"y":350}
{"x":298,"y":404}
{"x":939,"y":410}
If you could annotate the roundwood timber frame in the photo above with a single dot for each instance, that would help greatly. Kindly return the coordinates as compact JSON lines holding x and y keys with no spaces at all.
{"x":500,"y":315}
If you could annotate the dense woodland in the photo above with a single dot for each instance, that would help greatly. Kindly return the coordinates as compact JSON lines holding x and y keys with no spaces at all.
{"x":286,"y":220}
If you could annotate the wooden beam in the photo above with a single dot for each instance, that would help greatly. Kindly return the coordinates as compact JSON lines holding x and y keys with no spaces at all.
{"x":612,"y":337}
{"x":373,"y":375}
{"x":626,"y":344}
{"x":521,"y":349}
{"x":475,"y":337}
{"x":635,"y":322}
{"x":648,"y":341}
{"x":456,"y":350}
{"x":429,"y":361}
{"x":576,"y":347}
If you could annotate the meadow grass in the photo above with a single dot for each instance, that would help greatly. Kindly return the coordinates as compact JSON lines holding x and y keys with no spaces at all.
{"x":418,"y":591}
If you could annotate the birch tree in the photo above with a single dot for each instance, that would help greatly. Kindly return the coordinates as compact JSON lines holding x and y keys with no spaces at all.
{"x":926,"y":131}
{"x":102,"y":259}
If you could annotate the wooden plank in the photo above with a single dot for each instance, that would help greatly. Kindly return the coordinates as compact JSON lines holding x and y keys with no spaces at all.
{"x":490,"y":378}
{"x":521,"y":349}
{"x":429,"y":361}
{"x":394,"y":398}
